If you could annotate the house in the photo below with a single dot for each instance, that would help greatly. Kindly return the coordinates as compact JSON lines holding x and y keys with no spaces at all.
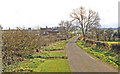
{"x":49,"y":31}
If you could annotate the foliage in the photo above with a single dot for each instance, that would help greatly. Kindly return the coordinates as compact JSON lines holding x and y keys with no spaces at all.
{"x":109,"y":33}
{"x":17,"y":44}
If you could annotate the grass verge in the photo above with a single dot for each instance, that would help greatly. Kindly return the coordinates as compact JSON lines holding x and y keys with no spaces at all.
{"x":48,"y":54}
{"x":58,"y":45}
{"x":109,"y":57}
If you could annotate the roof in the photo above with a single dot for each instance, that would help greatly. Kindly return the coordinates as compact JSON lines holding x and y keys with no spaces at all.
{"x":53,"y":31}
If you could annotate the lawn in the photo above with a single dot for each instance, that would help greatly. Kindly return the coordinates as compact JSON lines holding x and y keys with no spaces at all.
{"x":107,"y":56}
{"x":36,"y":64}
{"x":41,"y":65}
{"x":52,"y":54}
{"x":54,"y":65}
{"x":48,"y":54}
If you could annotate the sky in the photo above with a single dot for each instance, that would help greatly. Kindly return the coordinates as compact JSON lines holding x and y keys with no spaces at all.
{"x":42,"y":13}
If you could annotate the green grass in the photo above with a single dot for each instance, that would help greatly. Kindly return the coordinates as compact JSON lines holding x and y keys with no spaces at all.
{"x":111,"y":42}
{"x":25,"y":66}
{"x":48,"y":54}
{"x":57,"y":65}
{"x":52,"y":54}
{"x":58,"y":45}
{"x":36,"y":64}
{"x":107,"y":56}
{"x":41,"y":65}
{"x":75,"y":32}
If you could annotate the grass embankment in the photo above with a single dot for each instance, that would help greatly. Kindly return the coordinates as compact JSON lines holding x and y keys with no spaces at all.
{"x":42,"y":65}
{"x":106,"y":56}
{"x":58,"y":45}
{"x":36,"y":63}
{"x":51,"y":54}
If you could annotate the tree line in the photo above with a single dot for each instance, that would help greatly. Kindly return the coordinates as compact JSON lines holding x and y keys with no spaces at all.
{"x":88,"y":21}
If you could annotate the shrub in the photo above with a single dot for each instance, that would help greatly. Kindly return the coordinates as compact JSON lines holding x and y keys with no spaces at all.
{"x":18,"y":44}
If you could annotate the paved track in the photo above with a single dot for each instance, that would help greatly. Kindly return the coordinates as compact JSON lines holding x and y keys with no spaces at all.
{"x":80,"y":61}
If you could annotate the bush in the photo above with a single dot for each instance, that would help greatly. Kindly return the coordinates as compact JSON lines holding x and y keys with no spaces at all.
{"x":18,"y":44}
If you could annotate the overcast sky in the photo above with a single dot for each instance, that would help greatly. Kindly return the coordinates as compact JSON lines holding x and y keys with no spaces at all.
{"x":34,"y":13}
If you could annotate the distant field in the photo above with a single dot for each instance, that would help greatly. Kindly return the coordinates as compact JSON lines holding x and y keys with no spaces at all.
{"x":115,"y":30}
{"x":76,"y":32}
{"x":112,"y":42}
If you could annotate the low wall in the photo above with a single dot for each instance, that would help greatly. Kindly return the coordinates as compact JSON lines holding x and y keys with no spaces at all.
{"x":101,"y":45}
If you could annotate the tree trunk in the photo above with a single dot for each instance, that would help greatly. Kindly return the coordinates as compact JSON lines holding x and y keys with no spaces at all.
{"x":113,"y":38}
{"x":109,"y":38}
{"x":105,"y":38}
{"x":84,"y":38}
{"x":97,"y":37}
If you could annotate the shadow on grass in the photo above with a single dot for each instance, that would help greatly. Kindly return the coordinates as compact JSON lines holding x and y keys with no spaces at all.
{"x":53,"y":49}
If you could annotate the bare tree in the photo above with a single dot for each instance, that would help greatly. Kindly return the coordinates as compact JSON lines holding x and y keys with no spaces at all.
{"x":66,"y":27}
{"x":98,"y":33}
{"x":119,"y":32}
{"x":109,"y":33}
{"x":1,"y":27}
{"x":115,"y":35}
{"x":85,"y":19}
